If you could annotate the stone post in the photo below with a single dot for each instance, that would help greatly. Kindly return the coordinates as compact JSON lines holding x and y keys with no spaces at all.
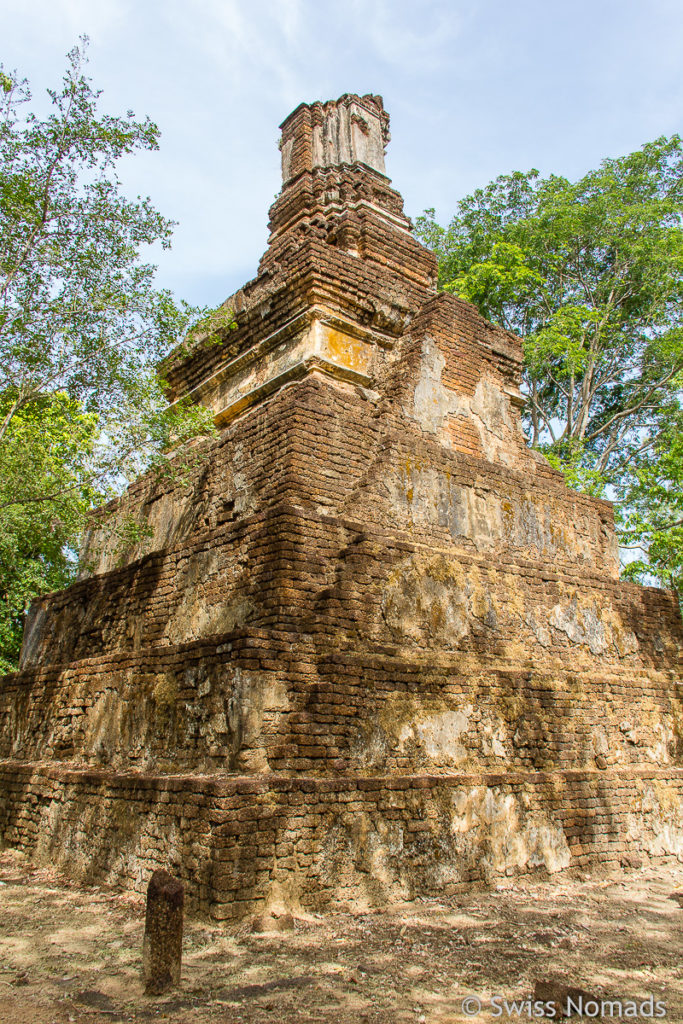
{"x":162,"y":946}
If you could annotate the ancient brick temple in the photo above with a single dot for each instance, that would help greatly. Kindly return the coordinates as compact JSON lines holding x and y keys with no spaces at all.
{"x":377,"y":649}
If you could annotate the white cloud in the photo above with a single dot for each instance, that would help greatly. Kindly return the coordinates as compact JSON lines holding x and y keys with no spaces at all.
{"x":60,"y":22}
{"x":258,"y":43}
{"x":411,"y":36}
{"x":474,"y":89}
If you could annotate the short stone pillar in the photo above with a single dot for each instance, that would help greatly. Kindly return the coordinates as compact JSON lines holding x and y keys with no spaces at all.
{"x":163,"y":942}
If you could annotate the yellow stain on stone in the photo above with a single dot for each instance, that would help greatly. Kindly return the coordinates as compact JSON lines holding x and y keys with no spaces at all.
{"x":165,"y":691}
{"x":346,"y":351}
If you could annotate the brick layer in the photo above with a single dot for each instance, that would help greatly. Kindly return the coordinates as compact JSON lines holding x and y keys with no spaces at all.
{"x":375,"y":647}
{"x":235,"y":842}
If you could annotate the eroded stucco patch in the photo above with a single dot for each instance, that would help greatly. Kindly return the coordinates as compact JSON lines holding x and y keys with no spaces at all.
{"x":252,"y":699}
{"x":508,"y":837}
{"x":439,"y":599}
{"x":438,"y":735}
{"x":488,"y":409}
{"x":426,"y":496}
{"x":657,"y":823}
{"x":481,"y":828}
{"x":597,"y":627}
{"x":436,"y":599}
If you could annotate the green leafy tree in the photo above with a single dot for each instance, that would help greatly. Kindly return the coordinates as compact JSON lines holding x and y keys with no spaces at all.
{"x":82,"y":328}
{"x":651,"y":510}
{"x":590,"y":275}
{"x":46,"y":489}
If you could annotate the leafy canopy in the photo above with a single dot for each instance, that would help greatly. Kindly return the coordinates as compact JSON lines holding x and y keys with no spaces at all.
{"x":82,"y":327}
{"x":590,"y":275}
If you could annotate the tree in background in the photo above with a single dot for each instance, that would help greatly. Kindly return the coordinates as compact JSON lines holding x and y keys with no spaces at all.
{"x":82,"y":410}
{"x":590,"y":275}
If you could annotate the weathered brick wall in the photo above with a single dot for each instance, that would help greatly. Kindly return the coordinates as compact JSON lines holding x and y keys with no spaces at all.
{"x":487,"y":625}
{"x":241,"y":843}
{"x":314,"y":453}
{"x":249,"y":703}
{"x":375,"y":640}
{"x":375,"y":647}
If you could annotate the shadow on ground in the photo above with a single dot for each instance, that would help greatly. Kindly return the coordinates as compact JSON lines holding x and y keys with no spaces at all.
{"x":73,"y":953}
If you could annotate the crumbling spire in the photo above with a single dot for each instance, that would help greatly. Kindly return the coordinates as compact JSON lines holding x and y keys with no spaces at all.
{"x":334,"y":184}
{"x":353,"y":129}
{"x":341,"y":277}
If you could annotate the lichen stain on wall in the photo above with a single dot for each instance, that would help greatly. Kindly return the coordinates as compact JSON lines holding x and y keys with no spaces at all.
{"x":425,"y":496}
{"x":346,"y":351}
{"x":505,"y":836}
{"x":440,"y":600}
{"x":656,"y":823}
{"x":488,"y":409}
{"x":428,"y":599}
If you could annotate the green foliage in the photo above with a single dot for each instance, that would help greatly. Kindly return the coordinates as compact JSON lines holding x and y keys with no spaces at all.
{"x":651,"y":510}
{"x":590,"y":275}
{"x":45,"y":491}
{"x":82,"y":328}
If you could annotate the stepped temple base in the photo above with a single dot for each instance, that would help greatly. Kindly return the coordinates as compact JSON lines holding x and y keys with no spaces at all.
{"x":242,"y":843}
{"x":374,"y":648}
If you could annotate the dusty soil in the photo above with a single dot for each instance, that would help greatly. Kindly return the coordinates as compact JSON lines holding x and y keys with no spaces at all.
{"x":70,"y":953}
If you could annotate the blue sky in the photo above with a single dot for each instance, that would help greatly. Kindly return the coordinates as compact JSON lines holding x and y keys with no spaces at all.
{"x":474,"y":89}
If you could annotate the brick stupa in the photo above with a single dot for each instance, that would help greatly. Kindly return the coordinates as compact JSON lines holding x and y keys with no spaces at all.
{"x":377,"y":649}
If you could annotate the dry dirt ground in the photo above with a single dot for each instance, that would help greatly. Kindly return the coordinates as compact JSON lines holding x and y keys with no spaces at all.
{"x":71,"y":953}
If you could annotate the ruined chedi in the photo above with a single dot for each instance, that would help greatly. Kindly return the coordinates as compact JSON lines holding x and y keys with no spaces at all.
{"x":377,"y":648}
